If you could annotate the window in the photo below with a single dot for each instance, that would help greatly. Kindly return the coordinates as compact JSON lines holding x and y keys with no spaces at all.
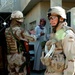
{"x":32,"y":25}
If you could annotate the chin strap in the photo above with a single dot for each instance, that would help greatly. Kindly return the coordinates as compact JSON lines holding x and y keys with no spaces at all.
{"x":54,"y":28}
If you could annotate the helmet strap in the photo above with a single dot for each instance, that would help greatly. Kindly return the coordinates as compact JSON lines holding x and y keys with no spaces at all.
{"x":54,"y":28}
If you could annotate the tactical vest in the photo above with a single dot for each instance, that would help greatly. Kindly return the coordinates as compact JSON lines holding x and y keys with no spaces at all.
{"x":58,"y":57}
{"x":11,"y":42}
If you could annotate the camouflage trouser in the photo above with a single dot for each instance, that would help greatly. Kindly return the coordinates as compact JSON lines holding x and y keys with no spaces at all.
{"x":53,"y":73}
{"x":17,"y":73}
{"x":71,"y":68}
{"x":16,"y":64}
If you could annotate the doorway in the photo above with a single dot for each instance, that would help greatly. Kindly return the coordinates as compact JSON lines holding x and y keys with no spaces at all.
{"x":4,"y":23}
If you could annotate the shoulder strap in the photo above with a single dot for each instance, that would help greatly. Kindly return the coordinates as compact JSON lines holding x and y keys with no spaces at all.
{"x":68,"y":28}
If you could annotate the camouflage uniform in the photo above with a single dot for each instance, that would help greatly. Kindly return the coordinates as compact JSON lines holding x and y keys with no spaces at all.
{"x":56,"y":63}
{"x":60,"y":49}
{"x":14,"y":34}
{"x":63,"y":59}
{"x":69,"y":46}
{"x":15,"y":59}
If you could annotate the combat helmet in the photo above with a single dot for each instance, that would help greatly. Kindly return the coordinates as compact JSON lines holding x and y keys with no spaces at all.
{"x":18,"y":15}
{"x":57,"y":10}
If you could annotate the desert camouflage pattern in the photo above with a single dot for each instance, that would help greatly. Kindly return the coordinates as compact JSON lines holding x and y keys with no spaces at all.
{"x":69,"y":50}
{"x":60,"y":64}
{"x":16,"y":60}
{"x":56,"y":64}
{"x":11,"y":42}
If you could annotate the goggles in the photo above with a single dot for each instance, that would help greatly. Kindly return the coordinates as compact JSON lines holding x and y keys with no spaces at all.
{"x":52,"y":17}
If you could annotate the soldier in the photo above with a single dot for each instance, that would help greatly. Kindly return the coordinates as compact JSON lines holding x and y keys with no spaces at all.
{"x":57,"y":47}
{"x":16,"y":50}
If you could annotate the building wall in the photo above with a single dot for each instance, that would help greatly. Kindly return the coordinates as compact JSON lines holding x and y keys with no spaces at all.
{"x":44,"y":9}
{"x":33,"y":17}
{"x":24,"y":3}
{"x":68,"y":5}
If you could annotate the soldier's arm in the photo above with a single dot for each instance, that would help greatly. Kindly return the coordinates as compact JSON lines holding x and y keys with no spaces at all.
{"x":23,"y":35}
{"x":28,"y":37}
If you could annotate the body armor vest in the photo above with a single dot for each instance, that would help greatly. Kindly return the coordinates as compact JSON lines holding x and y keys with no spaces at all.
{"x":11,"y":41}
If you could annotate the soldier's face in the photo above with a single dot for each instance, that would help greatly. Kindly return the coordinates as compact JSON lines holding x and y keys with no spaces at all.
{"x":53,"y":19}
{"x":19,"y":23}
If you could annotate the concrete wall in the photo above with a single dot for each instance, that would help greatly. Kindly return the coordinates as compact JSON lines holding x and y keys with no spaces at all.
{"x":68,"y":5}
{"x":44,"y":9}
{"x":32,"y":16}
{"x":39,"y":11}
{"x":24,"y":3}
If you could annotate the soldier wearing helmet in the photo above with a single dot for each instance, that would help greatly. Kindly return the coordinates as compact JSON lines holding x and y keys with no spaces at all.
{"x":15,"y":35}
{"x":60,"y":54}
{"x":18,"y":15}
{"x":56,"y":13}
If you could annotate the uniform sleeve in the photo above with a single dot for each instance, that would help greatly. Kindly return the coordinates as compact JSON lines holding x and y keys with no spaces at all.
{"x":69,"y":45}
{"x":18,"y":33}
{"x":30,"y":38}
{"x":24,"y":35}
